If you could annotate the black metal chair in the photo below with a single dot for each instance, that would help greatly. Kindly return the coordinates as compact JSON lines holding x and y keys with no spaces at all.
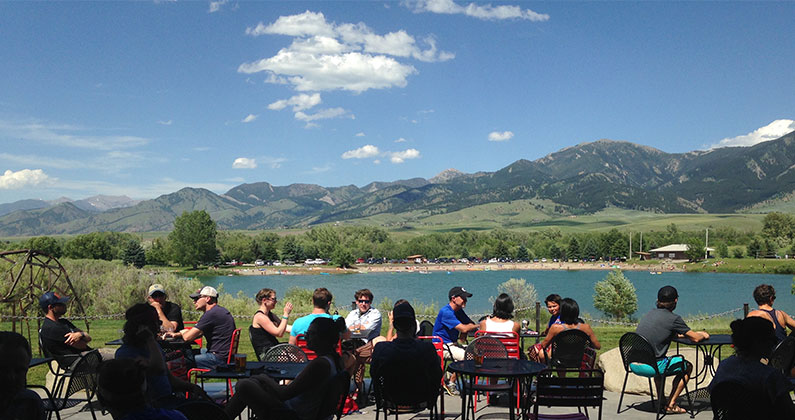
{"x":637,"y":350}
{"x":489,"y":348}
{"x":82,"y":376}
{"x":285,"y":353}
{"x":568,"y":348}
{"x":426,"y":328}
{"x":202,"y":410}
{"x":334,"y":399}
{"x":732,"y":400}
{"x":783,"y":356}
{"x":585,"y":389}
{"x":392,"y":394}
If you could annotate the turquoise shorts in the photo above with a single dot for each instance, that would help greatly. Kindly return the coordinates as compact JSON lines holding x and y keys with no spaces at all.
{"x":666,"y":365}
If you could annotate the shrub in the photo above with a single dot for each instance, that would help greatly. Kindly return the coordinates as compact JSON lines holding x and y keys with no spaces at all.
{"x":615,"y":296}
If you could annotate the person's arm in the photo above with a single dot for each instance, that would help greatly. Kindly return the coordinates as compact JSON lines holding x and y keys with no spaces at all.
{"x":482,"y":326}
{"x":162,"y":315}
{"x":267,"y":324}
{"x":310,"y":377}
{"x":292,"y":340}
{"x":466,"y":328}
{"x":696,"y":336}
{"x":591,"y":336}
{"x":189,"y":334}
{"x":516,"y":327}
{"x":787,"y":320}
{"x":390,"y":332}
{"x":553,"y":331}
{"x":78,"y":339}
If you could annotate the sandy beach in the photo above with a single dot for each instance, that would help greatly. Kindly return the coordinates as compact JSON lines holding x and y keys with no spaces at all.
{"x":426,"y":268}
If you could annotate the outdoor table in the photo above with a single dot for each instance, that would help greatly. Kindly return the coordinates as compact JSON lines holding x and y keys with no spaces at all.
{"x":528,"y":334}
{"x":511,"y":369}
{"x":708,"y":348}
{"x":39,"y":361}
{"x":276,"y":370}
{"x":172,"y":344}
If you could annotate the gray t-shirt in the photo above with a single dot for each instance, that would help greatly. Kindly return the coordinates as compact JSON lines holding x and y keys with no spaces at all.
{"x":659,"y":327}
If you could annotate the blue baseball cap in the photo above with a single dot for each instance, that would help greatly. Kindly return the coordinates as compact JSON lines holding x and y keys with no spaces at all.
{"x":51,"y":298}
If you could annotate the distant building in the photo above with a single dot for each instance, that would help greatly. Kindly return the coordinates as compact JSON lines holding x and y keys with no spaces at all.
{"x":673,"y":252}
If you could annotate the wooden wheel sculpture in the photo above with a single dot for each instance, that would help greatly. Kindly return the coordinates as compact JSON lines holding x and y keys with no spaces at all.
{"x":26,"y":275}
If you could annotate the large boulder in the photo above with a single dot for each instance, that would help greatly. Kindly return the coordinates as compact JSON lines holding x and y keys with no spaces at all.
{"x":610,"y":363}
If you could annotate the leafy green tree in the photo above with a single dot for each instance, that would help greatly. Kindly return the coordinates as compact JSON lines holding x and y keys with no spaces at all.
{"x":47,"y":245}
{"x":342,"y":257}
{"x":723,"y":250}
{"x":134,"y":254}
{"x":501,"y":250}
{"x":158,"y":253}
{"x":268,"y":252}
{"x":738,"y":252}
{"x":193,"y":239}
{"x":778,"y":225}
{"x":89,"y":246}
{"x":590,"y":249}
{"x":755,"y":248}
{"x":695,"y":249}
{"x":615,"y":296}
{"x":292,"y":249}
{"x":236,"y":246}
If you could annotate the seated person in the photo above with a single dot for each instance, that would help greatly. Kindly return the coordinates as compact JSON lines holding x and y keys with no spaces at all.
{"x":59,"y":336}
{"x":266,"y":327}
{"x":139,"y":344}
{"x":321,"y":302}
{"x":169,"y":312}
{"x":765,"y":295}
{"x":16,"y":401}
{"x":569,"y":319}
{"x":412,"y":366}
{"x":304,"y":395}
{"x":365,"y":322}
{"x":121,"y":390}
{"x":216,"y":325}
{"x":553,"y":306}
{"x":753,"y":339}
{"x":390,"y":332}
{"x":500,"y":318}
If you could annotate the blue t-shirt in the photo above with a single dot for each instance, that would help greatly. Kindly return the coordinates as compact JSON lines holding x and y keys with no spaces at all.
{"x":217,"y":326}
{"x":157,"y":386}
{"x":554,"y":319}
{"x":302,"y":324}
{"x":446,"y":322}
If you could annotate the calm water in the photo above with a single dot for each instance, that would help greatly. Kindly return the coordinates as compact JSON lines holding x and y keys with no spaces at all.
{"x":699,"y":293}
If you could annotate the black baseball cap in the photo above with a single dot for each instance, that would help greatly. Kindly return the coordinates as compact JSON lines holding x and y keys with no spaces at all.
{"x":458,"y":291}
{"x":667,"y":294}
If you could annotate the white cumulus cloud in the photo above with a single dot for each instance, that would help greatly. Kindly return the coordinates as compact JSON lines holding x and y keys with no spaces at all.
{"x":324,"y":114}
{"x":216,"y":5}
{"x":500,"y":136}
{"x":249,"y":118}
{"x":328,"y":56}
{"x":360,"y":134}
{"x":400,"y":140}
{"x":771,"y":131}
{"x":479,"y":11}
{"x":24,"y":178}
{"x":298,"y":102}
{"x":400,"y":157}
{"x":168,"y":122}
{"x":364,"y":152}
{"x":244,"y":163}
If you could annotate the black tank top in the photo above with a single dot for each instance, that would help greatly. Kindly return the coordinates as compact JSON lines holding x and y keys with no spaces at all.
{"x":262,"y":340}
{"x":781,"y":333}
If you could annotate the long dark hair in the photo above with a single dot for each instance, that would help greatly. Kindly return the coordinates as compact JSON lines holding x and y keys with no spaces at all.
{"x":503,"y":307}
{"x":569,"y":311}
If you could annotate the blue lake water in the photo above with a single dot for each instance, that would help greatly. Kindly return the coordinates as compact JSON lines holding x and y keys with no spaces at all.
{"x":699,"y":293}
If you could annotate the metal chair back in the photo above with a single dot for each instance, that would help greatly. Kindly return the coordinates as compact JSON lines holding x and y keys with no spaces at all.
{"x":285,"y":353}
{"x":509,"y":339}
{"x":426,"y":328}
{"x":734,"y":400}
{"x":636,"y":349}
{"x":783,"y":356}
{"x":489,"y":347}
{"x":81,"y":377}
{"x":582,"y":390}
{"x":568,"y":348}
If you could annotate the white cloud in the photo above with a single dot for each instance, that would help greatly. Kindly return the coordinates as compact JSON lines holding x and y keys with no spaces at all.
{"x":400,"y":157}
{"x":324,"y":114}
{"x":24,"y":178}
{"x":298,"y":102}
{"x":771,"y":131}
{"x":500,"y":136}
{"x":400,"y":140}
{"x":201,"y":149}
{"x":377,"y":161}
{"x":249,"y":118}
{"x":484,"y":12}
{"x":273,"y":162}
{"x":328,"y":56}
{"x":216,"y":5}
{"x":244,"y":163}
{"x":169,"y":122}
{"x":360,"y":134}
{"x":68,"y":136}
{"x":364,"y":152}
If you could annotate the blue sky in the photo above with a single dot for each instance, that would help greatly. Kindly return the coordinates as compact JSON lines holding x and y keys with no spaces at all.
{"x":144,"y":98}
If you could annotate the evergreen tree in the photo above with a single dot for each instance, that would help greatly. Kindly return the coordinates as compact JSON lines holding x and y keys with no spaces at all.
{"x":521,"y":253}
{"x":574,"y":248}
{"x":134,"y":254}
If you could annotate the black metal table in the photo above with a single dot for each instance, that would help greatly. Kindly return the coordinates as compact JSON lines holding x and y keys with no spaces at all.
{"x":708,"y":349}
{"x":170,"y":344}
{"x":528,"y":334}
{"x":511,"y":369}
{"x":36,"y":361}
{"x":276,"y":370}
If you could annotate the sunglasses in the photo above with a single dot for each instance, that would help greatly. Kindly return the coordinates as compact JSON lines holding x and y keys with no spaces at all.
{"x":363,"y":301}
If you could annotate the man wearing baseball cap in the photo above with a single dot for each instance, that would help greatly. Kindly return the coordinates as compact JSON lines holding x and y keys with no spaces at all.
{"x":58,"y":335}
{"x":216,"y":325}
{"x":452,"y":320}
{"x":659,"y":326}
{"x":169,"y":313}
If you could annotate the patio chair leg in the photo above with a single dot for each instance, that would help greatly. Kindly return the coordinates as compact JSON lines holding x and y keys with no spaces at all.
{"x":660,"y":396}
{"x":621,"y":398}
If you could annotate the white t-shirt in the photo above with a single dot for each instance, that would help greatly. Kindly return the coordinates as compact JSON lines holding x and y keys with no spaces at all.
{"x":494,"y":326}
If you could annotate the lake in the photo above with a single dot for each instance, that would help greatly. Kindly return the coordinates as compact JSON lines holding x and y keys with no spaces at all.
{"x":699,"y":293}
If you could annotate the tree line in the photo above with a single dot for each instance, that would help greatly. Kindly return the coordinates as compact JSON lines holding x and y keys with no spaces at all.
{"x":195,"y":240}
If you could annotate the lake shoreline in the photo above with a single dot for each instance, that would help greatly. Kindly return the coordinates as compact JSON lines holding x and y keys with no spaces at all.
{"x":666,"y":267}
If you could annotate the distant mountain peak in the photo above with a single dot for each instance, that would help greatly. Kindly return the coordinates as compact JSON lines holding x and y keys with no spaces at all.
{"x":446,"y":175}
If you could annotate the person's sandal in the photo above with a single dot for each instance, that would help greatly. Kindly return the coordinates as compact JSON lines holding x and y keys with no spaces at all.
{"x":675,"y":410}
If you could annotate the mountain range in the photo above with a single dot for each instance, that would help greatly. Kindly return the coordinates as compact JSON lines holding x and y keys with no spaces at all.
{"x":580,"y":179}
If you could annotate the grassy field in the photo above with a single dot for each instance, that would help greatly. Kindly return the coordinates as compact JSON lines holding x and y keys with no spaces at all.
{"x":106,"y":330}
